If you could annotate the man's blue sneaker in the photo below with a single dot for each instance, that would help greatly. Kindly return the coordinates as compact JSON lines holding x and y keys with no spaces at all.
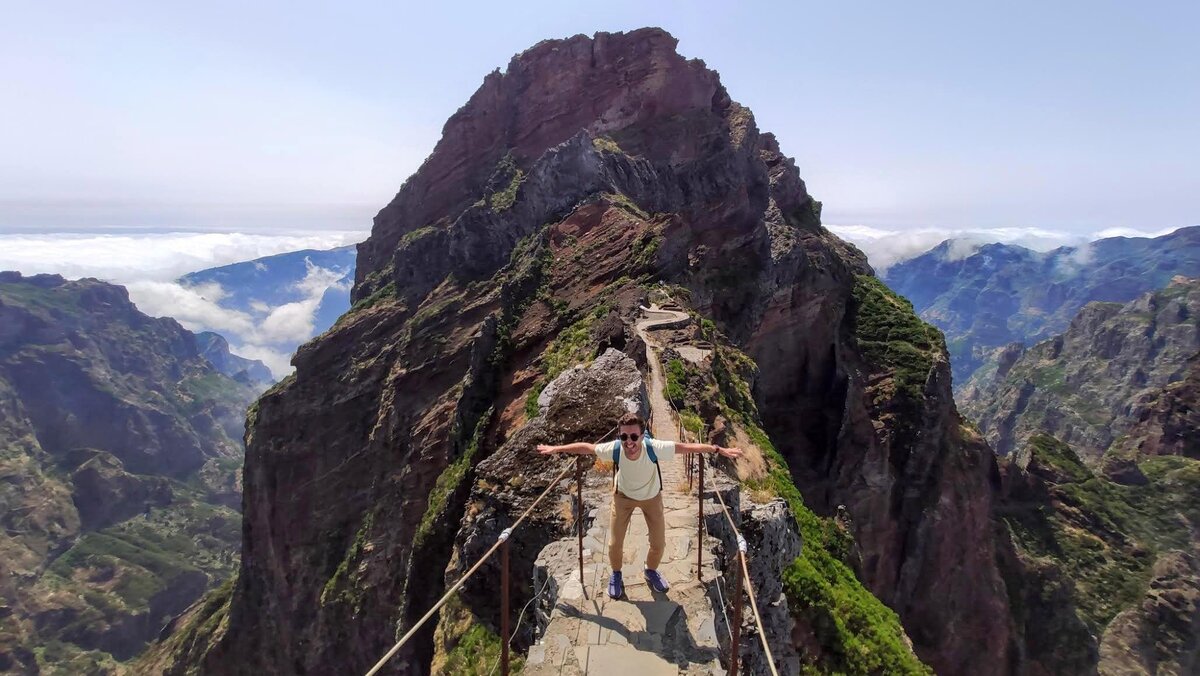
{"x":656,"y":581}
{"x":616,"y":587}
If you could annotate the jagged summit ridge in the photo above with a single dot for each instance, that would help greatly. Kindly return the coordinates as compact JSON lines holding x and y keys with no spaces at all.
{"x":631,"y":88}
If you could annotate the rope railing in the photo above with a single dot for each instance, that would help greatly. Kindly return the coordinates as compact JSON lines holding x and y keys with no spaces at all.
{"x":762,"y":635}
{"x":736,"y":634}
{"x":502,"y":540}
{"x":502,"y":543}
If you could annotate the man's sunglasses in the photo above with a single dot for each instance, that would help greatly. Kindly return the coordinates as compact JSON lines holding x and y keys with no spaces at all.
{"x":630,"y":437}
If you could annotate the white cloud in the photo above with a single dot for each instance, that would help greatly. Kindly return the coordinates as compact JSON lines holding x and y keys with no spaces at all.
{"x":293,"y":322}
{"x":962,"y":248}
{"x":279,"y":361}
{"x":317,"y":279}
{"x":194,"y":307}
{"x":289,"y":323}
{"x":1132,"y":232}
{"x":124,"y":259}
{"x":886,"y":247}
{"x":271,"y":338}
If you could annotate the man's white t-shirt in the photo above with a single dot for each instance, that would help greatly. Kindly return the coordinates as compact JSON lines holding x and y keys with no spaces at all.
{"x":638,"y":479}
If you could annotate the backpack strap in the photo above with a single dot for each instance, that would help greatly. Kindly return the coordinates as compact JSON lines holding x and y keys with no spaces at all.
{"x":654,"y":459}
{"x":616,"y":462}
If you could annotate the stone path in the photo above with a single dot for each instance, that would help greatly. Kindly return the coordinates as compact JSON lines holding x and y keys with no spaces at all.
{"x":692,"y":353}
{"x":645,"y":633}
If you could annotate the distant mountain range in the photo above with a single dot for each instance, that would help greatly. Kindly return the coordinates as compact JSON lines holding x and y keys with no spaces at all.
{"x":985,"y":297}
{"x":256,"y":285}
{"x":215,"y":349}
{"x":120,"y":451}
{"x":1091,"y":385}
{"x":286,"y":299}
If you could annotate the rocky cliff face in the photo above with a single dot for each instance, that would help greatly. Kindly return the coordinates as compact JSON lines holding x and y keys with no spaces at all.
{"x":1116,"y":366}
{"x":985,"y":297}
{"x":1104,"y":526}
{"x":1161,"y":635}
{"x":591,"y":174}
{"x":118,"y":447}
{"x":1102,"y":573}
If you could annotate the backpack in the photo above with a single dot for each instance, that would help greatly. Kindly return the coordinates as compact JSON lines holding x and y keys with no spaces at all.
{"x":649,"y":451}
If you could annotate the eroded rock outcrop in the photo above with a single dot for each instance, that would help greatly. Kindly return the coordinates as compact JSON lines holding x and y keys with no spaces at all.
{"x":1090,"y":386}
{"x":1162,"y":634}
{"x":581,"y":403}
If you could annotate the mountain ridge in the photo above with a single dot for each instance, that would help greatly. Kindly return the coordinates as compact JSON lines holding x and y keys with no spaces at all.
{"x":997,"y":294}
{"x":117,"y":443}
{"x":1088,"y":386}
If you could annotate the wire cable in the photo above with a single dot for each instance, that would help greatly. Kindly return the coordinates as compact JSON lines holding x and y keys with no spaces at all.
{"x":762,"y":635}
{"x":450,"y":592}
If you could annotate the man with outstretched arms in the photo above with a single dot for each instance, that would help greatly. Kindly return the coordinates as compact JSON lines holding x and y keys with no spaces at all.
{"x":638,"y":485}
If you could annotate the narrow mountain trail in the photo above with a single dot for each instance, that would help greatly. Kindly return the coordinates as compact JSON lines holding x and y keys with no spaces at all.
{"x":645,"y":633}
{"x":663,"y":423}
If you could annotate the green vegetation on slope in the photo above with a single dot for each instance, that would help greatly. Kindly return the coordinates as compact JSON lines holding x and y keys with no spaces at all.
{"x":1105,"y":535}
{"x":449,"y":480}
{"x":384,"y":293}
{"x":342,"y":586}
{"x":572,"y":346}
{"x":892,"y":337}
{"x":857,"y":632}
{"x":199,"y":629}
{"x":895,"y":342}
{"x":606,"y":145}
{"x":676,"y":382}
{"x":504,"y":198}
{"x":476,"y":649}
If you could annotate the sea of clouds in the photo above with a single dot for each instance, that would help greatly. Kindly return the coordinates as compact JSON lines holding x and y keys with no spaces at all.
{"x":148,"y":265}
{"x":885,"y":247}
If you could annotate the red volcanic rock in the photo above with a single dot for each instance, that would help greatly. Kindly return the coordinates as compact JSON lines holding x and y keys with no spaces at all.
{"x":549,"y":93}
{"x":566,"y":187}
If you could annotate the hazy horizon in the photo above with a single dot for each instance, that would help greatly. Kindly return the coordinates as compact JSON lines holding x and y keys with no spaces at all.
{"x":1071,"y":117}
{"x":145,"y":141}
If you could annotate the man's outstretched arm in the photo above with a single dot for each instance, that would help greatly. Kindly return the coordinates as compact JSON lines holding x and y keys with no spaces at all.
{"x":579,"y":448}
{"x":681,"y":447}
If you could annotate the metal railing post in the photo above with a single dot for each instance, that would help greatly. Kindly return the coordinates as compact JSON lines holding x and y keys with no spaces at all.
{"x":700,"y":520}
{"x":504,"y":637}
{"x":735,"y":642}
{"x":579,"y":516}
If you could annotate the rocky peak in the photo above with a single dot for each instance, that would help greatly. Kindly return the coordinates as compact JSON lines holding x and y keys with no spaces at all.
{"x":631,"y":88}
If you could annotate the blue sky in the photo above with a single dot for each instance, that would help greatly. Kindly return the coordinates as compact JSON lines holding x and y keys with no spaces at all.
{"x":1075,"y":117}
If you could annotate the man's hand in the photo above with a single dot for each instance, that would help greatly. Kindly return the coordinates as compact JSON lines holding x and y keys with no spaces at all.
{"x":545,"y":449}
{"x":730,"y":452}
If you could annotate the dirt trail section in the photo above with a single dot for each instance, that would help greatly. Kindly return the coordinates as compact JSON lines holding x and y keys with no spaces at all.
{"x":662,"y":423}
{"x":644,"y":633}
